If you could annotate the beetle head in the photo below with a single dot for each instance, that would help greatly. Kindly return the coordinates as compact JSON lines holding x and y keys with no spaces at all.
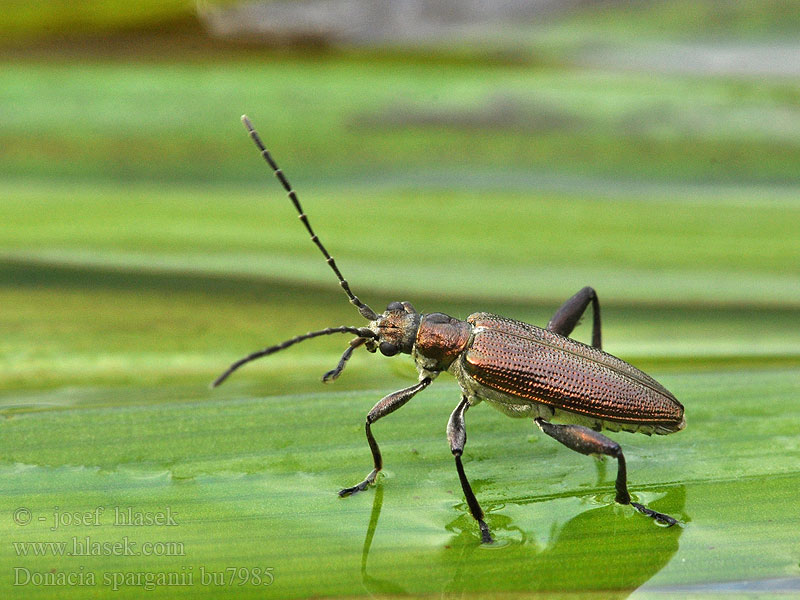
{"x":395,"y":330}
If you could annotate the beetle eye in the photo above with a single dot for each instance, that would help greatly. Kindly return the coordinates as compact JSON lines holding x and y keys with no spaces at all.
{"x":394,"y":306}
{"x":388,"y":349}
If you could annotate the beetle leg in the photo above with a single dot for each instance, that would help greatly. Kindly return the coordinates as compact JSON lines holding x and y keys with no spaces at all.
{"x":567,"y":317}
{"x":457,"y":436}
{"x":584,"y":440}
{"x":334,"y":373}
{"x":387,"y":405}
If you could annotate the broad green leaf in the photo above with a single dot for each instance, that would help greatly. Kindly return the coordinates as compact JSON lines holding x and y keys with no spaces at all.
{"x":251,"y":482}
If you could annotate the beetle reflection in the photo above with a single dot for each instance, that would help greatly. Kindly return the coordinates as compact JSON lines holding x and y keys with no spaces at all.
{"x":601,"y":547}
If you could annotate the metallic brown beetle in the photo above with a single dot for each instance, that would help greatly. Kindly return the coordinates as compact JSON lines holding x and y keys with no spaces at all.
{"x":520,"y":369}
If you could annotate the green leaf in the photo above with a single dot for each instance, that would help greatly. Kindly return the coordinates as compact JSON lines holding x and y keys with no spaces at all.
{"x":251,"y":482}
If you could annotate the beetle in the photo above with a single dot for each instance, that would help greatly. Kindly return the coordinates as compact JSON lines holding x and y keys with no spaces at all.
{"x":571,"y":390}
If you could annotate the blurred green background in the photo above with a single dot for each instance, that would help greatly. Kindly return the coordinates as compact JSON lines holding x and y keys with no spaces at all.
{"x":650,"y":150}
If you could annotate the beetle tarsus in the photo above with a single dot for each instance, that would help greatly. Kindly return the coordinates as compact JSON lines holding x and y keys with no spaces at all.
{"x":361,"y":486}
{"x":660,"y":517}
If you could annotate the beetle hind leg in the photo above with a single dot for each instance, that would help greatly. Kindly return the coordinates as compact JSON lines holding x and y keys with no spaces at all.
{"x":586,"y":441}
{"x":568,"y":315}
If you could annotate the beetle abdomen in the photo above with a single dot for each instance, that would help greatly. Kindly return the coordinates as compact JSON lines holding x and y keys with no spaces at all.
{"x":535,"y":364}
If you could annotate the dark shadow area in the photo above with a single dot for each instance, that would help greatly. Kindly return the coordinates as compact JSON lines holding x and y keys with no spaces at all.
{"x":20,"y":273}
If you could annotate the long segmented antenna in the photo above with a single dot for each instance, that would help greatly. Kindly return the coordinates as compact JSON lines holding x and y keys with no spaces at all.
{"x":361,"y":332}
{"x":365,"y":310}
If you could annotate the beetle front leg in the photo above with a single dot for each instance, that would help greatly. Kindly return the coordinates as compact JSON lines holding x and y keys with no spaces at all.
{"x":457,"y":436}
{"x":387,"y":405}
{"x":568,"y":315}
{"x":584,"y":440}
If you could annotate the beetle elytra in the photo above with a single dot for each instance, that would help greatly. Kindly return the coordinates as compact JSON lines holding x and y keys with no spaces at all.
{"x":571,"y":390}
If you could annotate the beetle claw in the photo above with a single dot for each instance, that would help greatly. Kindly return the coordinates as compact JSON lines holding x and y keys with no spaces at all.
{"x":660,"y":517}
{"x":352,"y":490}
{"x":360,"y":487}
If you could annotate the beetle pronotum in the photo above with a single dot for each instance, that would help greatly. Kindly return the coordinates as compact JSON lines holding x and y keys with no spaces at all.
{"x":520,"y":369}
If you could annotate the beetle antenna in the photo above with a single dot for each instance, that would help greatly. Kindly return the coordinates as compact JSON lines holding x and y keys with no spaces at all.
{"x":361,"y":332}
{"x":365,"y":310}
